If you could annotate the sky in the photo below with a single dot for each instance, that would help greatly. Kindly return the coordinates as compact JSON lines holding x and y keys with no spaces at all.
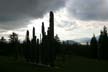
{"x":73,"y":19}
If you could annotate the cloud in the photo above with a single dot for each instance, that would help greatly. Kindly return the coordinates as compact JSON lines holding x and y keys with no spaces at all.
{"x":65,"y":24}
{"x":88,"y":9}
{"x":17,"y":13}
{"x":68,"y":25}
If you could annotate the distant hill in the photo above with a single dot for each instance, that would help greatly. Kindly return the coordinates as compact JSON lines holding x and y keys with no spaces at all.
{"x":80,"y":41}
{"x":71,"y":42}
{"x":85,"y":40}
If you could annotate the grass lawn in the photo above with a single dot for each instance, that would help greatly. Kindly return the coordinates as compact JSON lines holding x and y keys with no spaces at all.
{"x":68,"y":64}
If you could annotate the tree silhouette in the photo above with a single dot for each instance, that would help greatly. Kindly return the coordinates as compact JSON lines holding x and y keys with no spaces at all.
{"x":13,"y":40}
{"x":48,"y":45}
{"x":3,"y":40}
{"x":43,"y":30}
{"x":37,"y":51}
{"x":103,"y":40}
{"x":3,"y":46}
{"x":94,"y":46}
{"x":33,"y":46}
{"x":27,"y":47}
{"x":57,"y":44}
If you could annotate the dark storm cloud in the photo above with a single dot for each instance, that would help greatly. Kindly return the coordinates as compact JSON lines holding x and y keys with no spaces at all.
{"x":16,"y":13}
{"x":9,"y":25}
{"x":89,"y":9}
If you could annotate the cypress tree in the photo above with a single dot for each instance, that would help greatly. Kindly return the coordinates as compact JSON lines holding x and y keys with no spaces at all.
{"x":33,"y":46}
{"x":27,"y":47}
{"x":105,"y":43}
{"x":94,"y":46}
{"x":43,"y":30}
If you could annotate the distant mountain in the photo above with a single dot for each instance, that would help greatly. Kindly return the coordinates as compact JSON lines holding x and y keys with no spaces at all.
{"x":85,"y":40}
{"x":80,"y":41}
{"x":70,"y":42}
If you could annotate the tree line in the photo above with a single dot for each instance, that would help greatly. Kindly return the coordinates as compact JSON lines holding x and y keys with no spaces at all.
{"x":100,"y":46}
{"x":36,"y":50}
{"x":97,"y":48}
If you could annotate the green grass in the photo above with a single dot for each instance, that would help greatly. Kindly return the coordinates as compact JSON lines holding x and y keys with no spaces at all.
{"x":68,"y":64}
{"x":78,"y":63}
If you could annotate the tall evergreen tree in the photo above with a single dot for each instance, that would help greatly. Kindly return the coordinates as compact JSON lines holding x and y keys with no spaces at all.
{"x":94,"y":46}
{"x":103,"y":44}
{"x":51,"y":41}
{"x":100,"y":48}
{"x":27,"y":37}
{"x":51,"y":26}
{"x":43,"y":30}
{"x":33,"y":46}
{"x":27,"y":47}
{"x":33,"y":32}
{"x":37,"y":51}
